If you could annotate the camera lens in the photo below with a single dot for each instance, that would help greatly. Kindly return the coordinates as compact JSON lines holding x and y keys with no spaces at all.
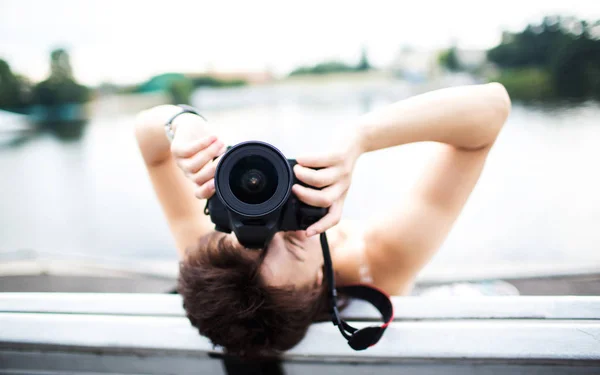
{"x":253,"y":179}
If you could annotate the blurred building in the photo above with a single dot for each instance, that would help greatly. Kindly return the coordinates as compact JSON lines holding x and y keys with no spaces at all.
{"x":471,"y":59}
{"x":416,"y":65}
{"x":249,"y":77}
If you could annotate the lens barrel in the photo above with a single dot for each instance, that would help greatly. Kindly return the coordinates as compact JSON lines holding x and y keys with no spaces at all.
{"x":253,"y":179}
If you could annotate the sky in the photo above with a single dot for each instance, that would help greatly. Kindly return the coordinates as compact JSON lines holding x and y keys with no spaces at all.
{"x":127,"y":41}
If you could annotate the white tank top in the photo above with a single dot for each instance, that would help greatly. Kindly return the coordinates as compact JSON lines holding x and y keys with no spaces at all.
{"x":365,"y":274}
{"x":354,"y":242}
{"x":364,"y":271}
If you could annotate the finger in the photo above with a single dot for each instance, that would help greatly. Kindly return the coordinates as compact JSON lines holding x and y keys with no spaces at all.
{"x":317,"y":178}
{"x":222,"y":150}
{"x":205,"y":191}
{"x":188,"y":149}
{"x":209,"y":170}
{"x":206,"y":173}
{"x":318,"y":198}
{"x":320,"y":161}
{"x":328,"y":221}
{"x":198,"y":161}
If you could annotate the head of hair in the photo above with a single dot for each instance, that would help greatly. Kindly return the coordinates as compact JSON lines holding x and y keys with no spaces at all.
{"x":227,"y":299}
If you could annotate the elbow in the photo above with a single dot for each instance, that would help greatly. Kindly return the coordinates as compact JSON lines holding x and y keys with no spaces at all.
{"x":150,"y":136}
{"x":137,"y":125}
{"x":491,"y":109}
{"x":141,"y":131}
{"x":140,"y":126}
{"x":500,"y":104}
{"x":497,"y":108}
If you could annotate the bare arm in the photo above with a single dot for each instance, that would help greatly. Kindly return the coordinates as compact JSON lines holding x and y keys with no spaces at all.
{"x":465,"y":121}
{"x":466,"y":117}
{"x":177,"y":194}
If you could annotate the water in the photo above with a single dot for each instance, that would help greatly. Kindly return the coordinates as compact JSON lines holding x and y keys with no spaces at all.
{"x":536,"y":203}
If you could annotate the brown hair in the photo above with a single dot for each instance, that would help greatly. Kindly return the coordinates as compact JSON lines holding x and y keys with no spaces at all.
{"x":227,"y":299}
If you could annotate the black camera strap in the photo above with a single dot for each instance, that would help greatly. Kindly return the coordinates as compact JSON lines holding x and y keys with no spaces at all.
{"x":358,"y":339}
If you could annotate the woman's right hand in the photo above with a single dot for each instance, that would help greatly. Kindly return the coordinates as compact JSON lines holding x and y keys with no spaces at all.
{"x":194,"y":149}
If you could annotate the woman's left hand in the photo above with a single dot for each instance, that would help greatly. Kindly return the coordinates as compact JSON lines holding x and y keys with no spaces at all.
{"x":332,"y":172}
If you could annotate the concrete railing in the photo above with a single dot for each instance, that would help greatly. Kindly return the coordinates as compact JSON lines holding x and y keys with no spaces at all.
{"x":116,"y":333}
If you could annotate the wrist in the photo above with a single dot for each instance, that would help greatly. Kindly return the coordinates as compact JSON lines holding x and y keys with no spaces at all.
{"x":150,"y":130}
{"x":186,"y":121}
{"x":188,"y":127}
{"x":359,"y":139}
{"x":183,"y":109}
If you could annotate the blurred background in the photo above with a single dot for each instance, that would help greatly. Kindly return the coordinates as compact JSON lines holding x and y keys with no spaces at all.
{"x":73,"y":75}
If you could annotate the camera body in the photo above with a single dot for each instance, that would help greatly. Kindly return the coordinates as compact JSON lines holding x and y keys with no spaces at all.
{"x":253,"y":195}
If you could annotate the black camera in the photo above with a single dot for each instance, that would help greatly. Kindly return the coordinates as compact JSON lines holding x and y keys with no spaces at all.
{"x":253,"y":195}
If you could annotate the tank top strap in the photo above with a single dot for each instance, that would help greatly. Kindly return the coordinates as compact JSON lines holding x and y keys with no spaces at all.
{"x":364,"y":271}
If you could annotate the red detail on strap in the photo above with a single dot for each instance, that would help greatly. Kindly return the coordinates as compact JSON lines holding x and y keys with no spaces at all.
{"x":386,"y":324}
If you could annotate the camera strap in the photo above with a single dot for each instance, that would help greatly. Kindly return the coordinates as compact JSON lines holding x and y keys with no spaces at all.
{"x":358,"y":339}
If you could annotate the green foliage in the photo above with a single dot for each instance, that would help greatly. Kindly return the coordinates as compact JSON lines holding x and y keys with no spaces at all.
{"x":181,"y":91}
{"x":128,"y":89}
{"x":60,"y":87}
{"x":60,"y":65}
{"x":363,"y":64}
{"x":208,"y":81}
{"x":324,"y":68}
{"x":179,"y":87}
{"x":449,"y":60}
{"x":566,"y":48}
{"x":329,"y":67}
{"x":56,"y":92}
{"x":528,"y":84}
{"x":14,"y":90}
{"x":161,"y":82}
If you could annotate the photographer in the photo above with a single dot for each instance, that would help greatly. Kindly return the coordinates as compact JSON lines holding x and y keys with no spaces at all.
{"x":257,"y":302}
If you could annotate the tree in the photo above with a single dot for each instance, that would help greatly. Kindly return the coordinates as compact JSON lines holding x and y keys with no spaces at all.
{"x":60,"y":87}
{"x":324,"y":68}
{"x":60,"y":65}
{"x":13,"y":89}
{"x":564,"y":48}
{"x":181,"y":91}
{"x":449,"y":60}
{"x":363,"y":64}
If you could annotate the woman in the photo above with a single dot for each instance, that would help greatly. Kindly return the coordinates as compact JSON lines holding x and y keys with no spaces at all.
{"x":257,"y":302}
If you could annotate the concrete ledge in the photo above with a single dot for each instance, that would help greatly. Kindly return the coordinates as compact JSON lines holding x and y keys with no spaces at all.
{"x":406,"y":308}
{"x":147,"y":336}
{"x":35,"y":263}
{"x":148,"y":333}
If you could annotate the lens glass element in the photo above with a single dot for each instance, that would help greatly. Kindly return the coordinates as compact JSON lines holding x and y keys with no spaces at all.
{"x":253,"y":179}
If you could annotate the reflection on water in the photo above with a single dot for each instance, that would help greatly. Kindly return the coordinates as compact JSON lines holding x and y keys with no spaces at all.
{"x":537,"y":201}
{"x":64,"y":131}
{"x":67,"y":131}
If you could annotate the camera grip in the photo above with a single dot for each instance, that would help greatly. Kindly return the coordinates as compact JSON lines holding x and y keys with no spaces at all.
{"x":292,"y":163}
{"x":307,"y":215}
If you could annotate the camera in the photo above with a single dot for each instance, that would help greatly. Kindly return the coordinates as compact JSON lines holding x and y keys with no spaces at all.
{"x":253,"y":195}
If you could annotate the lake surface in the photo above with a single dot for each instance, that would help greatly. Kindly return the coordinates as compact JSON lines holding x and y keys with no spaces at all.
{"x":537,"y":202}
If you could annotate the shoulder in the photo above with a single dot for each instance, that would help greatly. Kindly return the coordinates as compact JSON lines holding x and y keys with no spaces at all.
{"x":359,"y":259}
{"x":342,"y":232}
{"x":347,"y":243}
